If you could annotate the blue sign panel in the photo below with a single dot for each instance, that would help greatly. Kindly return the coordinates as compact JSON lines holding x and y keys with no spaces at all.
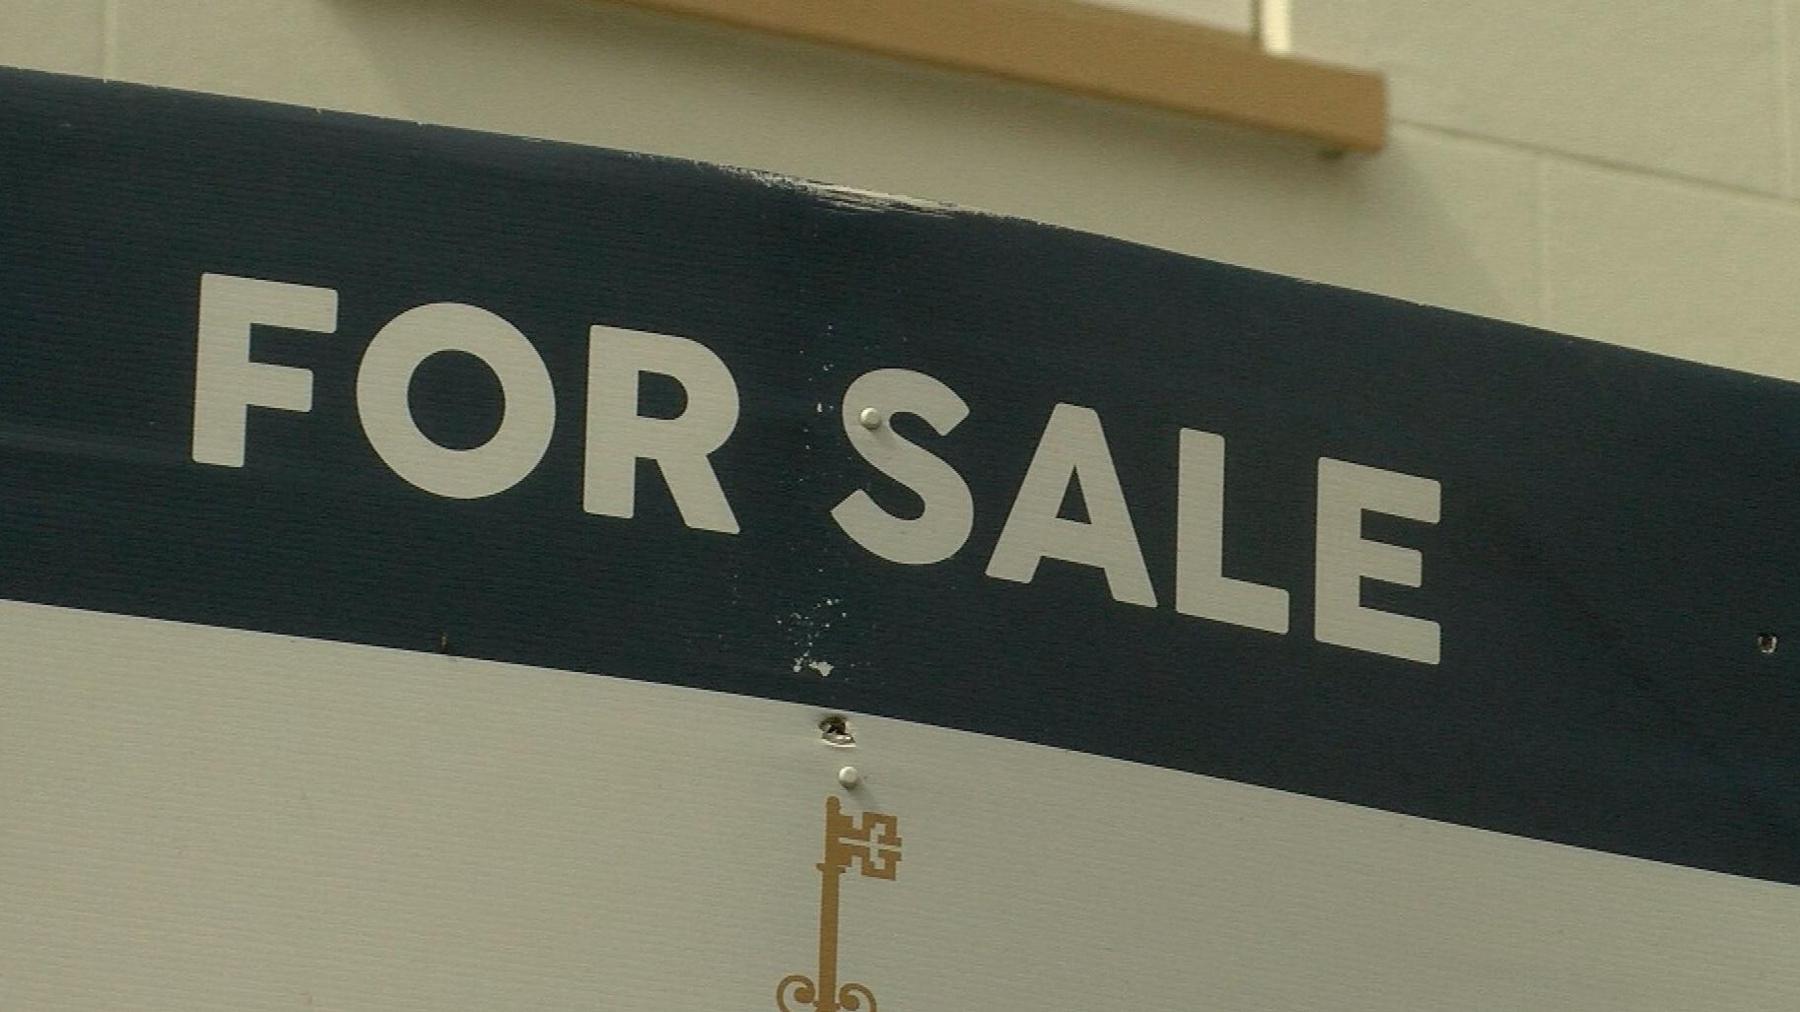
{"x":336,"y":377}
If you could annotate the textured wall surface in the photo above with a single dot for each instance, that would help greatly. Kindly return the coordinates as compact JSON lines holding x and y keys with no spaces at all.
{"x":1662,"y":138}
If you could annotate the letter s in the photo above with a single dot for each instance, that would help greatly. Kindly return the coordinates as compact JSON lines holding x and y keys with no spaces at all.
{"x":943,"y":527}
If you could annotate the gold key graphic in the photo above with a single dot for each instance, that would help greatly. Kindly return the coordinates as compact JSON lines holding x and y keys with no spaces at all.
{"x":872,"y":843}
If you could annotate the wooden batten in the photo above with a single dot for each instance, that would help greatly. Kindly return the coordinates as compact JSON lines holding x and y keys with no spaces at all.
{"x":1081,"y":48}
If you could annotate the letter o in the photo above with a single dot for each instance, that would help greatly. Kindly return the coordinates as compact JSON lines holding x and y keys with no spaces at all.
{"x":527,"y":417}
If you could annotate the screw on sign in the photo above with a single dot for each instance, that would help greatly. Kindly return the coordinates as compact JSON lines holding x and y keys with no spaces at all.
{"x":872,"y":843}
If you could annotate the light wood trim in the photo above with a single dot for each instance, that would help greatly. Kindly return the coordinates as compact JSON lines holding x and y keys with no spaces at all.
{"x":1077,"y":47}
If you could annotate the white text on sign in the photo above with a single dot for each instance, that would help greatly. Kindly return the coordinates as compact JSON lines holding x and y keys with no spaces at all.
{"x":1072,"y":449}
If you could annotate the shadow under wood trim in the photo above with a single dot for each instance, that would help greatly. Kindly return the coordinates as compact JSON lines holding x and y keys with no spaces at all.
{"x":1081,"y":48}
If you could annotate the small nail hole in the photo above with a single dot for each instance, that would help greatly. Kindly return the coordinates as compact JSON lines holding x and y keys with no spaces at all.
{"x":1766,"y":642}
{"x":835,"y":730}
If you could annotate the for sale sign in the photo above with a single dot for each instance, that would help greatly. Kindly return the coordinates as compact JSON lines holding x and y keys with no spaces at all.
{"x":274,"y":371}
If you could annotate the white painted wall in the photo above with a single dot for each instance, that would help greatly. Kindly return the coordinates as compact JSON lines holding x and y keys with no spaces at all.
{"x":1661,"y":134}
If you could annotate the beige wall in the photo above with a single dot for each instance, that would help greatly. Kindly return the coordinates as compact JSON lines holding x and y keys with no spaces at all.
{"x":1622,"y":171}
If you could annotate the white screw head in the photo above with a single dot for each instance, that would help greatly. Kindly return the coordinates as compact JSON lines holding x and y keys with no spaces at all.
{"x":849,"y":777}
{"x":870,"y":418}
